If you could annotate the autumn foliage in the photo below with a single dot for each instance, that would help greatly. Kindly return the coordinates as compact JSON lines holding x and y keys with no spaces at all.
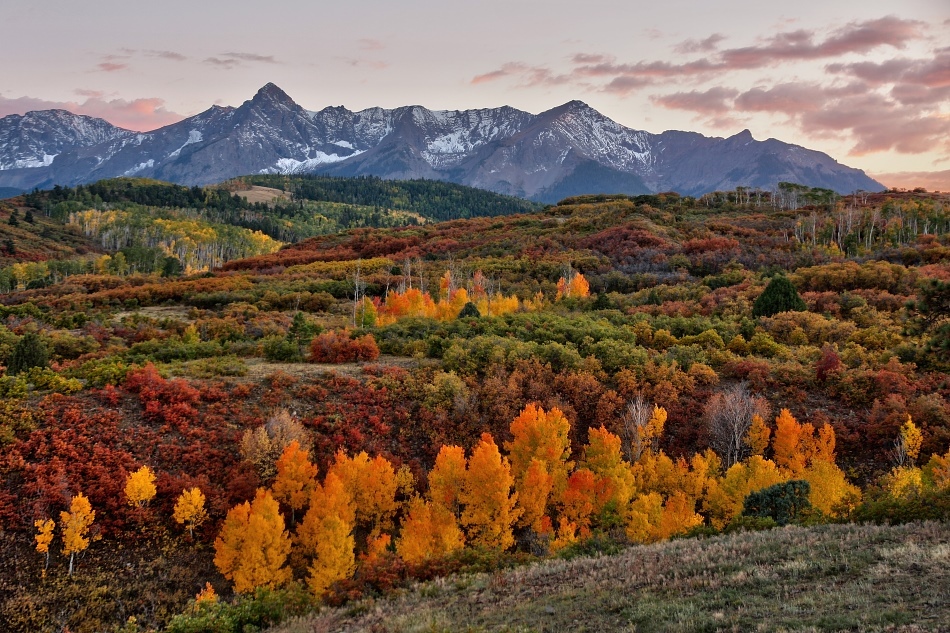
{"x":338,"y":347}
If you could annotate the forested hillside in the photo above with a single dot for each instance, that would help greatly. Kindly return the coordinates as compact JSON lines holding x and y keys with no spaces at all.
{"x":129,"y":225}
{"x":355,"y":411}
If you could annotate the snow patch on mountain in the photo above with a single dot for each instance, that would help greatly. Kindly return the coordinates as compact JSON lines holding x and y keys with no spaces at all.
{"x":194,"y":136}
{"x":140,"y":167}
{"x":289,"y":166}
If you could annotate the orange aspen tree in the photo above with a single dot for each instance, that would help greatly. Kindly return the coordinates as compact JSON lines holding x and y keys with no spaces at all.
{"x":429,"y":531}
{"x":447,"y":478}
{"x":824,"y":449}
{"x":326,"y":534}
{"x":75,"y":527}
{"x":253,"y":545}
{"x":533,"y":494}
{"x":540,"y":435}
{"x":140,"y":487}
{"x":296,"y":479}
{"x":488,"y":498}
{"x":206,"y":595}
{"x":578,"y":501}
{"x":786,"y":443}
{"x":371,"y":484}
{"x":44,"y":536}
{"x":190,"y":509}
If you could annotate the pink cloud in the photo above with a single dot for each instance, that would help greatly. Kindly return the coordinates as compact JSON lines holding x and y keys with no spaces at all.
{"x":713,"y":101}
{"x":706,"y":45}
{"x":856,"y":37}
{"x":111,"y":67}
{"x":875,"y":122}
{"x":783,"y":47}
{"x":227,"y":61}
{"x":929,"y":180}
{"x":369,"y":44}
{"x":526,"y":76}
{"x":138,"y":114}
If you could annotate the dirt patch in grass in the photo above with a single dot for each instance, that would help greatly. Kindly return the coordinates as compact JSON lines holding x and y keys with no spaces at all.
{"x":828,"y":578}
{"x":258,"y":369}
{"x":178,"y":313}
{"x":262,"y":194}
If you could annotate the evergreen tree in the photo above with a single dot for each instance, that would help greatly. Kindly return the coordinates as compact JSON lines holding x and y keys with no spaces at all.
{"x":29,"y":216}
{"x":14,"y":218}
{"x":29,"y":352}
{"x":469,"y":311}
{"x":779,"y":296}
{"x":171,"y":267}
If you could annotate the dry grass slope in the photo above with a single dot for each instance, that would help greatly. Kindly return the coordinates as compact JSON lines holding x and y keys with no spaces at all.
{"x":829,"y":578}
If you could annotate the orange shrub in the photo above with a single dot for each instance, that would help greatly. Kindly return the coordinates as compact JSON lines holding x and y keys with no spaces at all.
{"x":336,"y":346}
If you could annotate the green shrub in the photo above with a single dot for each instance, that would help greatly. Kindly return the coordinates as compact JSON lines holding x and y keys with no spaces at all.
{"x":784,"y":503}
{"x":100,"y":372}
{"x":882,"y":507}
{"x":215,"y":367}
{"x":265,"y":609}
{"x":281,"y":349}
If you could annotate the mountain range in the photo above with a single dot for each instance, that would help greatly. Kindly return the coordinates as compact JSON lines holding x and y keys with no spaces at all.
{"x":569,"y":150}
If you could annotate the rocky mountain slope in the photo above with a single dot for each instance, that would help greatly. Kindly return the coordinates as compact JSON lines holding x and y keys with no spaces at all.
{"x":568,"y":150}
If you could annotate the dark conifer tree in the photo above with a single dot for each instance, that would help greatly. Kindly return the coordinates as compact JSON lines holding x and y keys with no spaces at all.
{"x":779,"y":296}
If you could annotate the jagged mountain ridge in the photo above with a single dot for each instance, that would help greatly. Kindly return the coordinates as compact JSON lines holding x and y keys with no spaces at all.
{"x":568,"y":150}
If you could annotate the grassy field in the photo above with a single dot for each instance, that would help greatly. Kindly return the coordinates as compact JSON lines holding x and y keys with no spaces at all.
{"x":829,"y":578}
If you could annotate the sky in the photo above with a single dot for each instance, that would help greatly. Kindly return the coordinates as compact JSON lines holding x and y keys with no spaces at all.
{"x":867,"y":81}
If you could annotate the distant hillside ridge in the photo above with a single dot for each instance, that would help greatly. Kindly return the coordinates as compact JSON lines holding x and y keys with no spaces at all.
{"x":565,"y":151}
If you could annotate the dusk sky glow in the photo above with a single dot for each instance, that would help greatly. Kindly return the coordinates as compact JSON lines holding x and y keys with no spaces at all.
{"x":866,"y":81}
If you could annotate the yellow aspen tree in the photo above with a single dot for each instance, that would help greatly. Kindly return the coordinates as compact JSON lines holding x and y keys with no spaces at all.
{"x":296,"y":479}
{"x":566,"y":535}
{"x":725,"y":497}
{"x":429,"y":531}
{"x":646,"y":511}
{"x":190,"y":509}
{"x":488,"y":498}
{"x":757,"y":437}
{"x":326,"y":534}
{"x":904,"y":481}
{"x":447,"y":478}
{"x":333,"y":557}
{"x":140,"y":487}
{"x":44,"y":536}
{"x":541,"y":435}
{"x":907,"y":446}
{"x":937,"y":471}
{"x":75,"y":527}
{"x":642,"y":428}
{"x":603,"y":456}
{"x":829,"y":488}
{"x":253,"y":545}
{"x":371,"y":485}
{"x":533,"y":490}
